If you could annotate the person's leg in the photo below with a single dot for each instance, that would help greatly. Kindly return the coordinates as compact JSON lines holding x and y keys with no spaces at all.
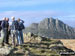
{"x":12,"y":35}
{"x":22,"y":40}
{"x":7,"y":37}
{"x":19,"y":37}
{"x":14,"y":40}
{"x":16,"y":35}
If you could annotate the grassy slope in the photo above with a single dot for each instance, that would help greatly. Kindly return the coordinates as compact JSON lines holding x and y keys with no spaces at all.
{"x":69,"y":43}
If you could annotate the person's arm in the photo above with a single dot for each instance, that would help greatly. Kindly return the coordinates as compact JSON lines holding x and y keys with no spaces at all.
{"x":2,"y":24}
{"x":22,"y":21}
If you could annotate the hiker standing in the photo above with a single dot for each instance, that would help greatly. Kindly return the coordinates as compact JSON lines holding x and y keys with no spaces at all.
{"x":7,"y":26}
{"x":14,"y":32}
{"x":4,"y":31}
{"x":20,"y":33}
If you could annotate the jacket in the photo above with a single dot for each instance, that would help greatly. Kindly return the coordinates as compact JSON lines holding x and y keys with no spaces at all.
{"x":14,"y":25}
{"x":21,"y":26}
{"x":4,"y":24}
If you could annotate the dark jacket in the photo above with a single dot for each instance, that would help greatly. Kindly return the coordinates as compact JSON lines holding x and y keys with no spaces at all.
{"x":21,"y":26}
{"x":7,"y":24}
{"x":4,"y":24}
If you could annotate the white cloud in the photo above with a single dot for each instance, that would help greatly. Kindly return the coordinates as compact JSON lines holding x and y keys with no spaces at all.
{"x":28,"y":16}
{"x":32,"y":14}
{"x":36,"y":16}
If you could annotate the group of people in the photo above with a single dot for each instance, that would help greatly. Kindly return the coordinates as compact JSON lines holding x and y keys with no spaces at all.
{"x":15,"y":30}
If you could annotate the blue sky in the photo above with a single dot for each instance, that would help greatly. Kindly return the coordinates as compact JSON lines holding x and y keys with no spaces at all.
{"x":36,"y":10}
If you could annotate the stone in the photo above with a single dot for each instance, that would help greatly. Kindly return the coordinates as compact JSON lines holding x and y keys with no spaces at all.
{"x":5,"y":50}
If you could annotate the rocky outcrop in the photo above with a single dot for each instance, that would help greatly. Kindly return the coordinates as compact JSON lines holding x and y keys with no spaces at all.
{"x":5,"y":50}
{"x":53,"y":28}
{"x":35,"y":45}
{"x":40,"y":46}
{"x":30,"y":37}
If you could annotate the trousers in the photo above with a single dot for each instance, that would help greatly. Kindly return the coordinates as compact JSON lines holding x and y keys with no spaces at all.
{"x":20,"y":37}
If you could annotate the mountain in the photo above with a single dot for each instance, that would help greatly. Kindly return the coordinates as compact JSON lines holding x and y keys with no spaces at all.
{"x":52,"y":28}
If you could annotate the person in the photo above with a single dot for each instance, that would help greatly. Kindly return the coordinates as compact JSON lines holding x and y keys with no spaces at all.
{"x":4,"y":26}
{"x":20,"y":33}
{"x":7,"y":26}
{"x":2,"y":31}
{"x":7,"y":30}
{"x":14,"y":31}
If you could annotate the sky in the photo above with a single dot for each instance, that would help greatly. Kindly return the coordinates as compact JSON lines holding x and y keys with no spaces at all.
{"x":34,"y":11}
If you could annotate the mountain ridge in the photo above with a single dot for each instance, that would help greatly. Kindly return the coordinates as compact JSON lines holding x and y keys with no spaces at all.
{"x":53,"y":28}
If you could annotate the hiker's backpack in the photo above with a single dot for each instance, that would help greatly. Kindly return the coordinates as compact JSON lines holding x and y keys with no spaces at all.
{"x":21,"y":26}
{"x":0,"y":25}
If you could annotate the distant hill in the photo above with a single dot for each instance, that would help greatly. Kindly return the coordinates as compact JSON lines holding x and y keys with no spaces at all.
{"x":52,"y":28}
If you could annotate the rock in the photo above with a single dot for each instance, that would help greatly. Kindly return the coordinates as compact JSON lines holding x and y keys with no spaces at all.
{"x":27,"y":52}
{"x":38,"y":39}
{"x":30,"y":37}
{"x":5,"y":50}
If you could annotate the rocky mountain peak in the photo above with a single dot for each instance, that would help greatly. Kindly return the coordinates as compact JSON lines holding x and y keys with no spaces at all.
{"x":51,"y":27}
